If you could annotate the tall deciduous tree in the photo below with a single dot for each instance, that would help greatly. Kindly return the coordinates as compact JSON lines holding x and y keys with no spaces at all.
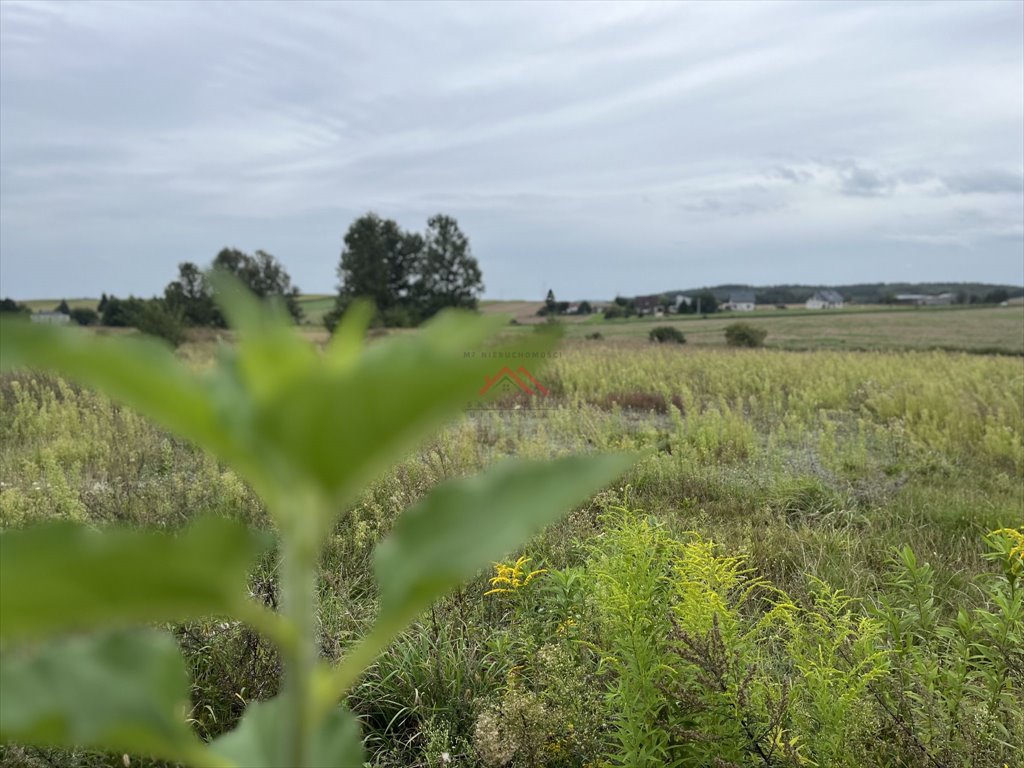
{"x":408,"y":276}
{"x":378,"y":262}
{"x":191,"y":295}
{"x":263,"y":275}
{"x":449,"y":276}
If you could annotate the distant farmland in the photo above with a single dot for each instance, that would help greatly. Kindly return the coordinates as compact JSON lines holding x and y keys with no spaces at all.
{"x":989,"y":329}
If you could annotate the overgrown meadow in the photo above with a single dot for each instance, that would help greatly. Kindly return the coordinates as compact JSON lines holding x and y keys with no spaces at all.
{"x":819,"y":561}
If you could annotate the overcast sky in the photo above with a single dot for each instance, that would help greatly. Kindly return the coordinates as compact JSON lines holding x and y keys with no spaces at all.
{"x":590,"y":148}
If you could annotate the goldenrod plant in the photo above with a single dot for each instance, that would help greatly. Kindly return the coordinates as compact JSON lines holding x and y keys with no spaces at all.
{"x":84,"y":662}
{"x":511,"y":578}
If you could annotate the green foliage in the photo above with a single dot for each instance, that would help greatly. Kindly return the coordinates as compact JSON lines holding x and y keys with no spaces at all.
{"x":713,"y":664}
{"x":631,"y":570}
{"x":10,"y":306}
{"x":120,"y":313}
{"x":85,"y":316}
{"x":666,"y":333}
{"x":614,"y":312}
{"x":121,"y":690}
{"x":257,"y":742}
{"x":744,"y":335}
{"x":263,"y":275}
{"x":802,"y":465}
{"x":82,"y":578}
{"x":704,"y":302}
{"x":407,"y":276}
{"x":449,"y":276}
{"x":191,"y":296}
{"x":958,"y":677}
{"x":155,"y":318}
{"x":309,"y":432}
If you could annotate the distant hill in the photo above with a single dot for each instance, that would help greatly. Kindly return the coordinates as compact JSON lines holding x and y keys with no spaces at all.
{"x":858,"y":293}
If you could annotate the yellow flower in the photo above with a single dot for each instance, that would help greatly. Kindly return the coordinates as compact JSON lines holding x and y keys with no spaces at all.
{"x":510,"y":578}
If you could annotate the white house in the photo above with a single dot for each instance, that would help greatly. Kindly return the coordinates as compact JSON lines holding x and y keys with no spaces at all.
{"x":741,"y":301}
{"x":825,"y":300}
{"x":679,"y":301}
{"x":51,"y":318}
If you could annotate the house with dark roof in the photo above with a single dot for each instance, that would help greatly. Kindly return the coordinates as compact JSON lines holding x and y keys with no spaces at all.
{"x":826,"y":299}
{"x":649,"y":305}
{"x":741,"y":301}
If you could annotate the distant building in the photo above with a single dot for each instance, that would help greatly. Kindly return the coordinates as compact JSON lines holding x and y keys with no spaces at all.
{"x":740,"y":301}
{"x":825,"y":300}
{"x":51,"y":318}
{"x":649,"y":305}
{"x":924,"y":299}
{"x":680,"y":301}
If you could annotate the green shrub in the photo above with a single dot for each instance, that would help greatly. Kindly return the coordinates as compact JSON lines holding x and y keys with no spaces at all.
{"x":664,"y":333}
{"x":630,"y":570}
{"x":155,"y":319}
{"x":85,"y":316}
{"x":744,"y":335}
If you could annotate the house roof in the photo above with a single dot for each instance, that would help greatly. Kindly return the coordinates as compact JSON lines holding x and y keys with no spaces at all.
{"x":645,"y":302}
{"x":741,"y":297}
{"x":829,"y":296}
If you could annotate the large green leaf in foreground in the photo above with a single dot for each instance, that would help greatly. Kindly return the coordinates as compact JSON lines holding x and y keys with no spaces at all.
{"x":464,"y":525}
{"x":65,"y":576}
{"x":460,"y":527}
{"x":125,"y":691}
{"x":256,"y":742}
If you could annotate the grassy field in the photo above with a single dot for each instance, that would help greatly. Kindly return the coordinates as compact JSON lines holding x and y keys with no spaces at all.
{"x":801,"y":570}
{"x":990,"y":329}
{"x":998,"y":330}
{"x":315,"y":306}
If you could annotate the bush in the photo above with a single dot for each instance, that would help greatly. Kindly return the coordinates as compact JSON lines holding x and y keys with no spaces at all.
{"x":121,"y":313}
{"x":595,"y":336}
{"x":155,"y":319}
{"x":614,"y":312}
{"x":664,"y":333}
{"x":10,"y":306}
{"x":745,"y":335}
{"x":85,"y":316}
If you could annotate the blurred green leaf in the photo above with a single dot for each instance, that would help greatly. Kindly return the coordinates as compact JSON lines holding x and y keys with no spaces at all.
{"x":463,"y":525}
{"x":126,"y":691}
{"x":341,"y":428}
{"x":142,"y":373}
{"x":349,"y":337}
{"x":269,"y":351}
{"x":257,"y":743}
{"x":65,"y":576}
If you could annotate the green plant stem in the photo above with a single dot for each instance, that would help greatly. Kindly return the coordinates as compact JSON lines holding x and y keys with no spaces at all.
{"x":334,"y":682}
{"x":298,"y":584}
{"x":269,"y":624}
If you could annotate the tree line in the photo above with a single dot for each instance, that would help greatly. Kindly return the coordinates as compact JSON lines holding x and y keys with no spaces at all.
{"x":409,"y":276}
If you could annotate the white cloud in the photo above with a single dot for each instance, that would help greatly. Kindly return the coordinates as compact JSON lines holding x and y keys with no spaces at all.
{"x":698,"y":140}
